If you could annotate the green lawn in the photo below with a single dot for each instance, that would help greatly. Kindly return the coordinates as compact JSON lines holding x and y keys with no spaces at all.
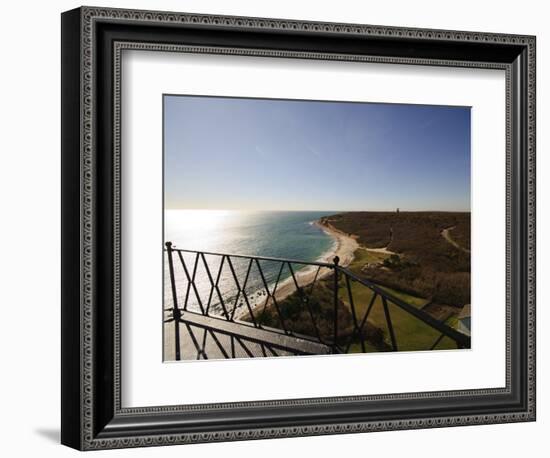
{"x":411,"y":334}
{"x":369,"y":348}
{"x":417,"y":302}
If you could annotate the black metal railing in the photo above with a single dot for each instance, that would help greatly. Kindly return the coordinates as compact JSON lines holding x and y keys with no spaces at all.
{"x":329,"y":308}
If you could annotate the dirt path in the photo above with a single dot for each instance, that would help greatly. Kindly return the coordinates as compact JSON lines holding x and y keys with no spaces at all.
{"x":447,"y":236}
{"x":381,"y":250}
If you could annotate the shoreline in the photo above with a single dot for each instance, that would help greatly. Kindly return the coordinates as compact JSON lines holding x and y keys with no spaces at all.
{"x":346,"y":244}
{"x":344,"y":247}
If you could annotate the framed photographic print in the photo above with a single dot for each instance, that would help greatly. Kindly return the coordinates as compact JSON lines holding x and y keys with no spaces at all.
{"x":279,"y":228}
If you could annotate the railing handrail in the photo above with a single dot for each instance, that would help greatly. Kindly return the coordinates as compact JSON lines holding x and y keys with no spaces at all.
{"x":260,"y":258}
{"x":461,"y":340}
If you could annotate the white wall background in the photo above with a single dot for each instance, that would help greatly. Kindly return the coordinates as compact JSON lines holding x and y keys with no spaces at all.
{"x":30,"y":240}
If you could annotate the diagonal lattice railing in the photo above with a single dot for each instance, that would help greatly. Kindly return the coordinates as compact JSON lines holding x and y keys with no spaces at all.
{"x":313,"y":302}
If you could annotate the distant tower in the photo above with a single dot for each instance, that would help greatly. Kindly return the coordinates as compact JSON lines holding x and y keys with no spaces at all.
{"x":397,"y":210}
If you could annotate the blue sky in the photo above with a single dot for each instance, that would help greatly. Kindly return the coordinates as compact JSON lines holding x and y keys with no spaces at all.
{"x":267,"y":154}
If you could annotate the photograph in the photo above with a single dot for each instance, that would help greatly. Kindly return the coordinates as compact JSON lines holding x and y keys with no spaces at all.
{"x":307,"y":227}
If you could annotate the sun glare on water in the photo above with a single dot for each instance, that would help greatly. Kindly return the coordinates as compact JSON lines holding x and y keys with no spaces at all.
{"x":202,"y":229}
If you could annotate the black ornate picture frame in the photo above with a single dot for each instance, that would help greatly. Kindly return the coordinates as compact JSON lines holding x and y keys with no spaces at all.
{"x":92,"y":42}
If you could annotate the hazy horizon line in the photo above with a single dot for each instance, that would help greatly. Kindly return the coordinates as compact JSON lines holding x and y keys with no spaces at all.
{"x":318,"y":211}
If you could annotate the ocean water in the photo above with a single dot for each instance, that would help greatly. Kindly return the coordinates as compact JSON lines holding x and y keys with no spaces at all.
{"x":289,"y":235}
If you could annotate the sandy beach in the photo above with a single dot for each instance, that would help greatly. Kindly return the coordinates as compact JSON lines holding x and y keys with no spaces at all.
{"x":344,"y":247}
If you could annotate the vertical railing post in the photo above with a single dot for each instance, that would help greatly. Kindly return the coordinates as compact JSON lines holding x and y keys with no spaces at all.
{"x":175,"y":310}
{"x":389,"y":323}
{"x":336,"y":261}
